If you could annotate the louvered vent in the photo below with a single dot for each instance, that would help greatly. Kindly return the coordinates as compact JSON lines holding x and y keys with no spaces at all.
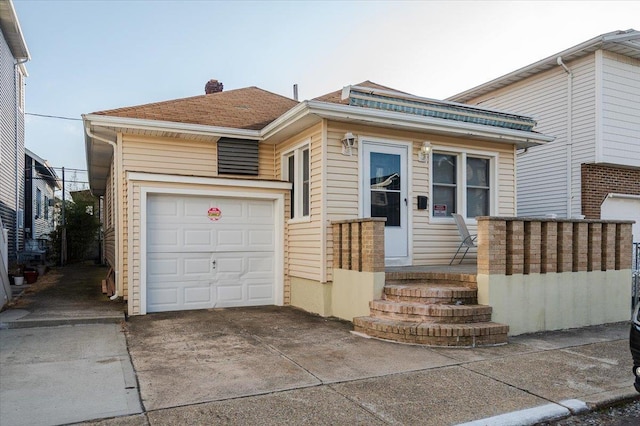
{"x":237,"y":157}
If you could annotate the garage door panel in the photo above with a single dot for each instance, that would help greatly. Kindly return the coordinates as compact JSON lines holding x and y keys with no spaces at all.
{"x":175,"y":296}
{"x":165,"y":267}
{"x":194,"y":262}
{"x":229,"y":293}
{"x":159,"y":239}
{"x":260,"y":291}
{"x":162,"y":267}
{"x":261,"y":239}
{"x":163,"y":207}
{"x":261,"y":212}
{"x":196,"y":238}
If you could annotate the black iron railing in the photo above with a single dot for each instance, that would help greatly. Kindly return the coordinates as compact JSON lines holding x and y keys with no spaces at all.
{"x":635,"y":275}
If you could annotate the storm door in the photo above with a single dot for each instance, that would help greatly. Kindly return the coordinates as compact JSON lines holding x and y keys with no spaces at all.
{"x":385,"y":195}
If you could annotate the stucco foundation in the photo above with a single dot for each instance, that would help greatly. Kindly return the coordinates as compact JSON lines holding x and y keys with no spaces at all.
{"x":347,"y":297}
{"x":312,"y":296}
{"x":352,"y":292}
{"x":541,"y":302}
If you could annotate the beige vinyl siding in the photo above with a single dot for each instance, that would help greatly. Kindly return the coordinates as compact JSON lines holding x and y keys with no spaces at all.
{"x":109,"y":221}
{"x":266,"y":161}
{"x":303,"y":238}
{"x":169,"y":156}
{"x":433,"y":243}
{"x":620,"y":110}
{"x":135,"y":257}
{"x":124,"y":242}
{"x":184,"y":157}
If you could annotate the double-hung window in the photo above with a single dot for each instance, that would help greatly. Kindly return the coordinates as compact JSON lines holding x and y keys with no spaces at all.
{"x":297,"y":172}
{"x":462,"y":183}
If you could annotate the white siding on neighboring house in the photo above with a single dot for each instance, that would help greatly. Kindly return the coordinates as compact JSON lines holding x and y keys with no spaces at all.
{"x":620,"y":143}
{"x":542,"y":170}
{"x":11,"y":148}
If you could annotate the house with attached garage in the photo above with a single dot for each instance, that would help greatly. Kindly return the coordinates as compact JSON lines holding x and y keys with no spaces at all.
{"x":245,"y":197}
{"x":588,"y":97}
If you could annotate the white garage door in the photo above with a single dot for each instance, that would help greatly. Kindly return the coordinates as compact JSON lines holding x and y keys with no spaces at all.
{"x":206,"y":252}
{"x":623,"y":207}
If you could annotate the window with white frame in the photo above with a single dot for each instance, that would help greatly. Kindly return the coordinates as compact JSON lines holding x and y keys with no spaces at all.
{"x":462,"y":183}
{"x":46,"y":207}
{"x":296,"y":165}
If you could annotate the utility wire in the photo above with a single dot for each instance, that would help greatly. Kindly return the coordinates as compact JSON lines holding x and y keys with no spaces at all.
{"x":53,"y":116}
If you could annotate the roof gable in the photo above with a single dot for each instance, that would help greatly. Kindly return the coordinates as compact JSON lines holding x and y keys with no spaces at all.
{"x":336,"y":97}
{"x":625,"y":43}
{"x":248,"y":108}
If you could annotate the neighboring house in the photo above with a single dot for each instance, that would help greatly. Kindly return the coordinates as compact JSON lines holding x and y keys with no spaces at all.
{"x":588,"y":97}
{"x":227,"y":199}
{"x":41,"y":181}
{"x":13,"y":55}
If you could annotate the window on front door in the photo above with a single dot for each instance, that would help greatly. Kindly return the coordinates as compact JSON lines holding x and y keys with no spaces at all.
{"x":461,"y":183}
{"x":298,"y":173}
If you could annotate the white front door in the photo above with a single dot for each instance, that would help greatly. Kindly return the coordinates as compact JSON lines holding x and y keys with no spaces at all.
{"x":385,"y":194}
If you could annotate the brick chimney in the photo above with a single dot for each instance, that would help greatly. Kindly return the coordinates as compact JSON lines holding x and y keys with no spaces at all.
{"x":213,"y":86}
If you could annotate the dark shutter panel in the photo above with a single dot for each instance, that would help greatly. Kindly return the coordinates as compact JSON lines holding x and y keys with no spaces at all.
{"x":237,"y":157}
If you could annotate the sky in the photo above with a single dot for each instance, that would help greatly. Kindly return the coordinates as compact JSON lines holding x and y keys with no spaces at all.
{"x":89,"y":56}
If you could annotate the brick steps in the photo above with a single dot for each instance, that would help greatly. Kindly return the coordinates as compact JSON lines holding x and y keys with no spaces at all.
{"x":460,"y":335}
{"x":431,"y":308}
{"x":430,"y":294}
{"x":448,"y":279}
{"x":430,"y":313}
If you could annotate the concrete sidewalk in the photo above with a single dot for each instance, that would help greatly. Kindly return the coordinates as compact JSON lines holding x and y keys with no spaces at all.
{"x":280,"y":366}
{"x":63,"y":354}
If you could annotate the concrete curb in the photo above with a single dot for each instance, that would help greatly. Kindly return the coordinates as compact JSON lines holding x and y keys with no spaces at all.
{"x":529,"y":416}
{"x":606,"y":399}
{"x":54,"y":322}
{"x":557,"y":411}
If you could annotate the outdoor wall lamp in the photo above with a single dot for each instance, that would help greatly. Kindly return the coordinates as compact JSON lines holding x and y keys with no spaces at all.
{"x":348,"y":142}
{"x":425,"y":149}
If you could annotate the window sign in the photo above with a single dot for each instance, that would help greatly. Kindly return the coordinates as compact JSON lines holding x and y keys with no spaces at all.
{"x":214,"y":214}
{"x":440,"y":210}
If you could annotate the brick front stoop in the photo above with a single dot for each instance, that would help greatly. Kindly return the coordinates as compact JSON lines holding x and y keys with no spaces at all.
{"x":431,"y":308}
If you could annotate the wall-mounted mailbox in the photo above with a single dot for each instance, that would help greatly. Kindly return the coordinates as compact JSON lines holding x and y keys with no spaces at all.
{"x":423,"y":202}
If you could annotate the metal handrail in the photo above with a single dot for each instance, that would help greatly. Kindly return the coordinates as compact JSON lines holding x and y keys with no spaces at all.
{"x":635,"y":275}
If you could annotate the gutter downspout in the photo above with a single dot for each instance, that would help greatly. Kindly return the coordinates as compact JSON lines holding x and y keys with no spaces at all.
{"x":114,"y":146}
{"x":16,"y":82}
{"x":569,"y":143}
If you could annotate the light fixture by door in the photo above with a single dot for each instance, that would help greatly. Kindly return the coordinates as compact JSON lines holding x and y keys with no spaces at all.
{"x":425,"y":149}
{"x":348,"y":142}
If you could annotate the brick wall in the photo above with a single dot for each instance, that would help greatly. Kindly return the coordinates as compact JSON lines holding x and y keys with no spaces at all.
{"x":599,"y":180}
{"x":515,"y":246}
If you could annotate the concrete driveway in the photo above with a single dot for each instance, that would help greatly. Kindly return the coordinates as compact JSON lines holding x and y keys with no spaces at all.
{"x":273,"y":365}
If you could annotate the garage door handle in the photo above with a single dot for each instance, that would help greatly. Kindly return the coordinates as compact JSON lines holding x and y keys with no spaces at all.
{"x":214,"y":264}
